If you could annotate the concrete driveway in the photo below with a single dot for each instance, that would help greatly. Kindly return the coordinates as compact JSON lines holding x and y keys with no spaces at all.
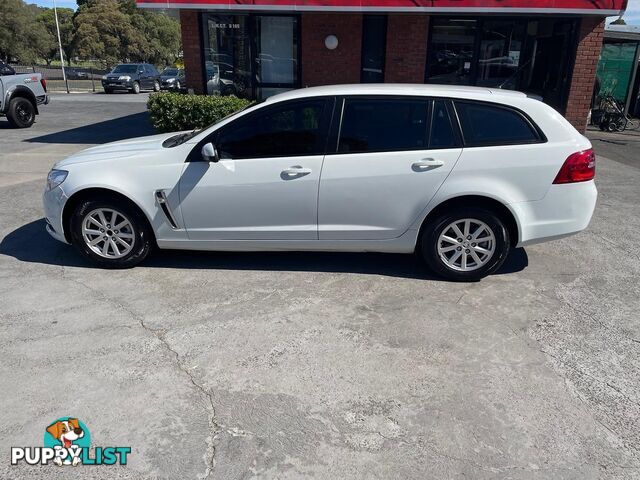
{"x":332,"y":366}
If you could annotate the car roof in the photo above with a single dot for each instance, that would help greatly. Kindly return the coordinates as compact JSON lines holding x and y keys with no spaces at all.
{"x":401,"y":89}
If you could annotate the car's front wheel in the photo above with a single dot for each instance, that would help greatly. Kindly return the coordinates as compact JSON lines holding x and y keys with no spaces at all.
{"x":465,"y":244}
{"x":111,"y":232}
{"x":156,"y":86}
{"x":136,"y":88}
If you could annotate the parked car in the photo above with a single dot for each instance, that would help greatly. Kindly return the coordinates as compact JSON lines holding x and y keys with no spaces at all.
{"x":133,"y":77}
{"x":21,"y":95}
{"x":459,"y":175}
{"x":172,"y":78}
{"x":73,"y":73}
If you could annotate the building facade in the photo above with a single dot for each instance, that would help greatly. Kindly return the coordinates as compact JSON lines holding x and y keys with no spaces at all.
{"x":256,"y":48}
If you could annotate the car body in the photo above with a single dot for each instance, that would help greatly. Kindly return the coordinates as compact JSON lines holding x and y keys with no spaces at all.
{"x":21,"y":95}
{"x":132,"y":77}
{"x":172,"y":78}
{"x":73,"y":73}
{"x":385,"y":168}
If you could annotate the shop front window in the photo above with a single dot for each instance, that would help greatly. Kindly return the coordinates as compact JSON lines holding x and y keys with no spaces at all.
{"x":251,"y":56}
{"x":451,"y":51}
{"x":530,"y":55}
{"x":374,"y":44}
{"x":499,"y":55}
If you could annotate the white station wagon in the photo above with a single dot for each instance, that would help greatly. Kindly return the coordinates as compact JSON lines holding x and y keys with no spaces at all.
{"x":459,"y":175}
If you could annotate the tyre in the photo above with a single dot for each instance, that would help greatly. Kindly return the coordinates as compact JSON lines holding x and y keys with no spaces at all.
{"x":178,"y":86}
{"x":21,"y":113}
{"x":111,"y":232}
{"x":156,"y":86}
{"x":136,"y":88}
{"x":108,"y":91}
{"x":465,"y":244}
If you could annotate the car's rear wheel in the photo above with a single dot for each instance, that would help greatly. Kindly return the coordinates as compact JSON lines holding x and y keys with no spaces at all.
{"x":136,"y":88}
{"x":111,"y":232}
{"x":21,"y":113}
{"x":465,"y":244}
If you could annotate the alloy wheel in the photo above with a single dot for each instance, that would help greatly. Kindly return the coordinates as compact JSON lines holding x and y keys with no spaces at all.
{"x":466,"y":244}
{"x":108,"y":233}
{"x":23,"y":114}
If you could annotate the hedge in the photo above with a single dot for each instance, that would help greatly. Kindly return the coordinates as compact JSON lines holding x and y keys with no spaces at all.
{"x":172,"y":112}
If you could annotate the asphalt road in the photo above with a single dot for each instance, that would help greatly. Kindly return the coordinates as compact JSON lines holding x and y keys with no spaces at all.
{"x":623,"y":146}
{"x":324,"y":366}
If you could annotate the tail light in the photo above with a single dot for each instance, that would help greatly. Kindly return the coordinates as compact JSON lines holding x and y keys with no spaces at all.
{"x":43,"y":82}
{"x":578,"y":167}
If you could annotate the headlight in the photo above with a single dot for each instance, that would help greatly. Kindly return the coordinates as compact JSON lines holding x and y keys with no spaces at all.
{"x":55,"y":178}
{"x":171,"y":80}
{"x":126,"y":78}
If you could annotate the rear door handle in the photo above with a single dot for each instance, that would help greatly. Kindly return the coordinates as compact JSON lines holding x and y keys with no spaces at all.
{"x":425,"y":164}
{"x":295,"y":171}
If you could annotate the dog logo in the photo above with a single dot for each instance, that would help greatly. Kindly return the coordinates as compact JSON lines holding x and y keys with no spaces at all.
{"x":67,"y":442}
{"x":69,"y":433}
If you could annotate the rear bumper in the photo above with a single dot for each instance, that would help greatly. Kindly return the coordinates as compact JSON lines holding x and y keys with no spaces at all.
{"x":565,"y":210}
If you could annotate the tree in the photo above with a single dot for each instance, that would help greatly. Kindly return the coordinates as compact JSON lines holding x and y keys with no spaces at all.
{"x":47,"y":19}
{"x":114,"y":31}
{"x":21,"y":37}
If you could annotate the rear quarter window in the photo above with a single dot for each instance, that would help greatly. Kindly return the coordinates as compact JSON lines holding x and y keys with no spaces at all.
{"x":486,"y":125}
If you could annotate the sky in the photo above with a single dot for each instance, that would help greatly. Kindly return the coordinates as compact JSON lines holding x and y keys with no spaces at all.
{"x":632,"y":15}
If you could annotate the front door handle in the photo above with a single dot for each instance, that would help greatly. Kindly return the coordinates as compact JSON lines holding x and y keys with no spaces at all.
{"x":295,"y":171}
{"x":426,"y":164}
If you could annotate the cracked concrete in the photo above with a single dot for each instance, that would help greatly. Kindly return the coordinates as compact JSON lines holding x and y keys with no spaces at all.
{"x":291,"y":366}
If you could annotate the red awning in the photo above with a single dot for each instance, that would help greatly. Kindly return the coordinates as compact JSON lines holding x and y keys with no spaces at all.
{"x":595,"y":7}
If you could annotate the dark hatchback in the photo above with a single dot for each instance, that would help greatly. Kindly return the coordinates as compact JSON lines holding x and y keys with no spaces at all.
{"x":172,"y":78}
{"x":132,"y":77}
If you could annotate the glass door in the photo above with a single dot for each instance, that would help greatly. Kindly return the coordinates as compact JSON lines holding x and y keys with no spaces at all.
{"x":251,"y":56}
{"x":276,"y":62}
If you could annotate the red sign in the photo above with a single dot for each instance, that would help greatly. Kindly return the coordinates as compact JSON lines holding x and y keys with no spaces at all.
{"x":597,"y":7}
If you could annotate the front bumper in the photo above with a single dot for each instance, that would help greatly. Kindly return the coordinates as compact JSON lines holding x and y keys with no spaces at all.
{"x":117,"y":84}
{"x":565,"y":210}
{"x":53,"y":202}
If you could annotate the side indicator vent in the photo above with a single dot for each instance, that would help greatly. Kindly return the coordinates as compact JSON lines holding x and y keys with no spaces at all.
{"x":161,"y":198}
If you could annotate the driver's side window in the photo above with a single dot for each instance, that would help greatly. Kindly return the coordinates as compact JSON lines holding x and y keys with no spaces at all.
{"x":292,"y":129}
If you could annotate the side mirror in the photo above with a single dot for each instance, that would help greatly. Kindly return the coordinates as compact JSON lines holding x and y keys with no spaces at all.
{"x":209,"y":153}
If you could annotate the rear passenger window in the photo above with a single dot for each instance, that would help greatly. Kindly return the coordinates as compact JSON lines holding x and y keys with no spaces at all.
{"x":492,"y":125}
{"x":442,"y":134}
{"x":378,"y":125}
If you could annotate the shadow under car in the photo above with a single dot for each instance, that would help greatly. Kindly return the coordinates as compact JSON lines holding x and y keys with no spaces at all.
{"x":31,"y":243}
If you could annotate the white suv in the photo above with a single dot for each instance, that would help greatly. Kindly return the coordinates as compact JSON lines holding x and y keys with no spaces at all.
{"x":458,"y":174}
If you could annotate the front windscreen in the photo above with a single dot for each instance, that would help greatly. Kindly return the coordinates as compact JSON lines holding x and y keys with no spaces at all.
{"x":125,"y":69}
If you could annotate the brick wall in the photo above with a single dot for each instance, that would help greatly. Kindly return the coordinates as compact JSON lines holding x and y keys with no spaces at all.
{"x":406,"y":48}
{"x":321,"y":66}
{"x":192,"y":48}
{"x":584,"y":71}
